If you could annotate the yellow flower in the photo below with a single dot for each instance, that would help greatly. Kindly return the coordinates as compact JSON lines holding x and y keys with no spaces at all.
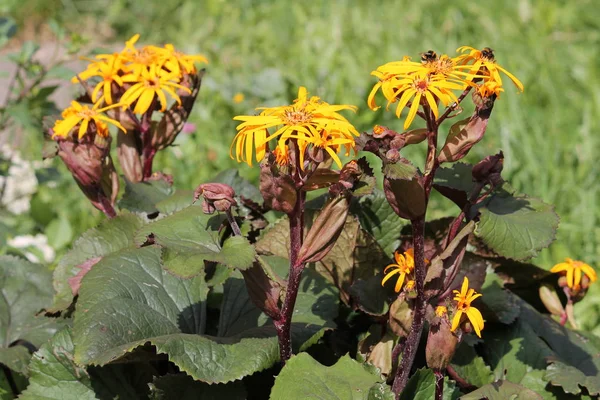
{"x":238,"y":98}
{"x":440,"y":311}
{"x":405,"y":264}
{"x":463,"y":306}
{"x":108,"y":68}
{"x":410,"y":285}
{"x":489,"y":88}
{"x":83,"y":115}
{"x":573,"y":270}
{"x":307,"y":121}
{"x":150,"y":84}
{"x":484,"y":63}
{"x":420,"y":87}
{"x":177,"y":62}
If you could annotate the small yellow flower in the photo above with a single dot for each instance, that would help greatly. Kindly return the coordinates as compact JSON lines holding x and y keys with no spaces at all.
{"x":82,"y":115}
{"x":489,"y":88}
{"x":405,"y":264}
{"x":440,"y":311}
{"x":410,"y":285}
{"x":463,"y":306}
{"x":307,"y":121}
{"x":238,"y":98}
{"x":152,"y":83}
{"x":573,"y":270}
{"x":378,"y":129}
{"x":177,"y":62}
{"x":484,"y":63}
{"x":108,"y":68}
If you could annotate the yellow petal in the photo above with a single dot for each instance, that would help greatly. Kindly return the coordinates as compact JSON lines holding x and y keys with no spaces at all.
{"x":589,"y":271}
{"x":476,"y":319}
{"x":413,"y":111}
{"x":399,"y":282}
{"x":570,"y":277}
{"x":456,"y":320}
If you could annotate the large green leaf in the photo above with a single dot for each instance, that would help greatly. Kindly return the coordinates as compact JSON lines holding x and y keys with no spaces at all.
{"x":25,"y":290}
{"x":503,"y":306}
{"x":455,"y":182}
{"x":129,"y":299}
{"x":303,"y":377}
{"x":190,"y":237}
{"x":56,"y":376}
{"x":516,"y":226}
{"x":421,"y":386}
{"x":110,"y":236}
{"x":377,"y":218}
{"x":183,"y":387}
{"x":502,"y":390}
{"x":471,"y":367}
{"x":178,"y":201}
{"x":144,"y":196}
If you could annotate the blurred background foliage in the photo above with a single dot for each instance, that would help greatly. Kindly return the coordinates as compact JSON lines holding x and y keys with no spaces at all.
{"x":265,"y":49}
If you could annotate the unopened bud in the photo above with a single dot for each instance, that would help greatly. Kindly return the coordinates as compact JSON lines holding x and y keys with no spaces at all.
{"x":441,"y":343}
{"x":263,"y":291}
{"x":278,"y":191}
{"x":489,"y":169}
{"x":551,"y":300}
{"x":217,"y":196}
{"x":325,"y":230}
{"x":406,"y":197}
{"x":392,"y":155}
{"x":401,"y":315}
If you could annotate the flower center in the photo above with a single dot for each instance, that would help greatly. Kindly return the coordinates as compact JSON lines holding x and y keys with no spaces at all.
{"x":152,"y":83}
{"x":86,"y":113}
{"x":421,"y":84}
{"x":296,"y":117}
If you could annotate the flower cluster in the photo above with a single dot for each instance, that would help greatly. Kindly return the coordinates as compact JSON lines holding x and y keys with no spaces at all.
{"x":308,"y":121}
{"x":432,"y":80}
{"x":138,"y":79}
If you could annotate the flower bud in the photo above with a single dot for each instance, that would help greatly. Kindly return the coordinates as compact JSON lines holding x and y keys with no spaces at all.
{"x":263,"y":291}
{"x":325,"y":230}
{"x":550,"y":299}
{"x":217,"y":196}
{"x":278,"y":191}
{"x":88,"y":159}
{"x":129,"y":156}
{"x":441,"y":343}
{"x":401,"y":315}
{"x":489,"y":169}
{"x":406,"y":197}
{"x":174,"y":119}
{"x":465,"y":134}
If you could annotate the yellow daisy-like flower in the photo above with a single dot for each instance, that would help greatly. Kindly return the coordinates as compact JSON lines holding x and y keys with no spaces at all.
{"x":405,"y":264}
{"x":489,"y":88}
{"x":82,"y":115}
{"x":108,"y":68}
{"x":152,"y":83}
{"x":177,"y":62}
{"x":136,"y":61}
{"x":463,"y":306}
{"x":574,"y":269}
{"x":440,"y":311}
{"x":485,"y":64}
{"x":307,"y":120}
{"x":429,"y":88}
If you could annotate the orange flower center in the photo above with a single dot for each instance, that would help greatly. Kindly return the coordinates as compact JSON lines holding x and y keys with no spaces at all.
{"x":296,"y":117}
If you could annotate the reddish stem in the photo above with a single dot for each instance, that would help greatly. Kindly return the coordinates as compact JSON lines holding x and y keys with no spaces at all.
{"x":414,"y":337}
{"x":284,"y":323}
{"x":439,"y":385}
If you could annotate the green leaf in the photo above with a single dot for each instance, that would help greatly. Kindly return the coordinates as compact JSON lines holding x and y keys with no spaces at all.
{"x":502,"y":390}
{"x":128,"y":300}
{"x":504,"y":305}
{"x":403,"y":169}
{"x":16,"y":358}
{"x":242,"y":187}
{"x":370,"y":297}
{"x":59,"y":232}
{"x":178,"y":201}
{"x":516,"y":226}
{"x":421,"y":386}
{"x":26,"y":289}
{"x":55,"y":375}
{"x":303,"y":377}
{"x":455,"y":182}
{"x":183,"y":387}
{"x":471,"y":367}
{"x":377,"y":218}
{"x":190,"y":237}
{"x":144,"y":196}
{"x":110,"y":236}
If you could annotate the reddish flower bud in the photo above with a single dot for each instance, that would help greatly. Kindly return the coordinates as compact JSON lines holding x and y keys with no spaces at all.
{"x":217,"y":196}
{"x":441,"y":343}
{"x":489,"y":169}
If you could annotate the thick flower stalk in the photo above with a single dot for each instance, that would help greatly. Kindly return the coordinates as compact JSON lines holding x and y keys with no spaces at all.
{"x":293,"y":141}
{"x":431,"y":90}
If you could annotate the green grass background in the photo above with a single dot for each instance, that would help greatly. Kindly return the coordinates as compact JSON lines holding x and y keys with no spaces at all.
{"x":266,"y":49}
